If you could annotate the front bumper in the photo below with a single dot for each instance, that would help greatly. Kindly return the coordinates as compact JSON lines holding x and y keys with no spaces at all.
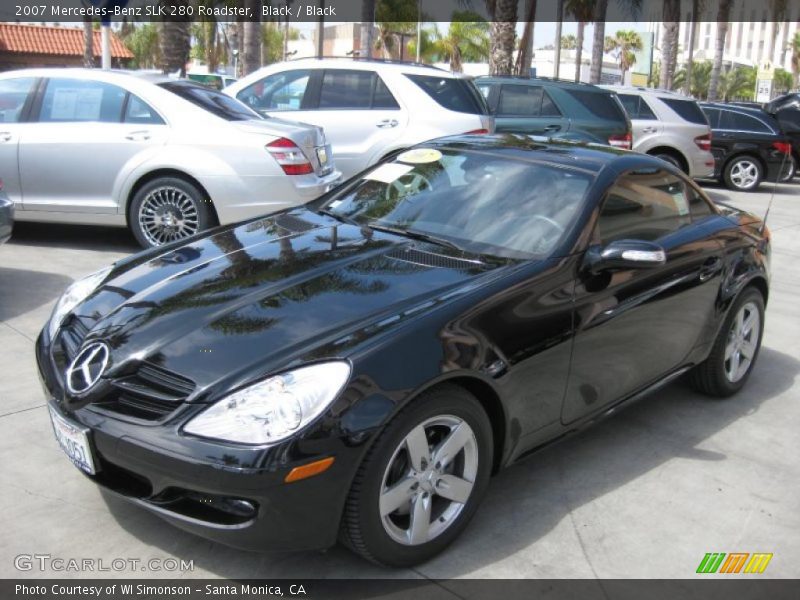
{"x":228,"y":493}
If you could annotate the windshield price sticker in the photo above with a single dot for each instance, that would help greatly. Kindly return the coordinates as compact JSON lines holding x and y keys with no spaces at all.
{"x":388,"y":173}
{"x":419,"y":156}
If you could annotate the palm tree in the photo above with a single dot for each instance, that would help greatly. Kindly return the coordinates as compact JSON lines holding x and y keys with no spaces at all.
{"x":503,"y":33}
{"x":784,"y":81}
{"x":697,"y":7}
{"x":623,"y":46}
{"x":601,"y":7}
{"x":738,"y":82}
{"x":367,"y":22}
{"x":669,"y":41}
{"x":396,"y":21}
{"x":251,"y":57}
{"x":794,"y":46}
{"x":175,"y":44}
{"x":467,"y":39}
{"x":569,"y":42}
{"x":582,"y":11}
{"x":723,"y":22}
{"x":523,"y":66}
{"x":88,"y":43}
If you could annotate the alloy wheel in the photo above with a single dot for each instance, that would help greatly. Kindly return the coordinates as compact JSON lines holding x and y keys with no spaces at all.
{"x":742,"y":342}
{"x":744,"y":174}
{"x":167,"y":214}
{"x":428,"y":480}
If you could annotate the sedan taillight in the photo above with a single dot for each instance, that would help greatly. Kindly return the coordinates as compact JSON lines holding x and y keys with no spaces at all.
{"x":703,"y":141}
{"x":782,"y":147}
{"x":621,"y":141}
{"x":290,"y":157}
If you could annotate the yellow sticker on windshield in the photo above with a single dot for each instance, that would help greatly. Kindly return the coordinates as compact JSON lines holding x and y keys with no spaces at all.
{"x":419,"y":156}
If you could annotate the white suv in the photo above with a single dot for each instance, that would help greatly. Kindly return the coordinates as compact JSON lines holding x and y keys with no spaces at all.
{"x":669,"y":125}
{"x":368,"y":108}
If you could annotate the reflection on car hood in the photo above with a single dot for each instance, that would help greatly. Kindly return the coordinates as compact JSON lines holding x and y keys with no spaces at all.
{"x":268,"y":293}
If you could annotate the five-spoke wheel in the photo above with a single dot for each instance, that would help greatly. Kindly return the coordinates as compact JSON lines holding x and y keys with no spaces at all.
{"x":421,"y":480}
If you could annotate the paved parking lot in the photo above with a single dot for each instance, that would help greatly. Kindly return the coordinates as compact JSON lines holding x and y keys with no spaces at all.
{"x":645,"y":494}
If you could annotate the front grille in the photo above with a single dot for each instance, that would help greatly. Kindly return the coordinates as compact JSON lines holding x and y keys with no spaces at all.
{"x":151,"y":393}
{"x":73,"y":333}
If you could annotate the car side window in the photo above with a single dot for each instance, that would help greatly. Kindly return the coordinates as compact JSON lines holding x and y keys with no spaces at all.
{"x":645,"y":112}
{"x":712,"y":114}
{"x":699,"y":207}
{"x":78,"y":100}
{"x":520,"y":101}
{"x":137,"y":111}
{"x":381,"y":97}
{"x":279,"y":91}
{"x":643,"y":205}
{"x":13,"y":94}
{"x":741,"y":122}
{"x":346,"y":89}
{"x":549,"y":108}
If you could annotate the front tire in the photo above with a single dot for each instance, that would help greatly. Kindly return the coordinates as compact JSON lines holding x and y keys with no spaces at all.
{"x":743,"y":174}
{"x":735,"y":350}
{"x":421,"y":481}
{"x":168,"y":209}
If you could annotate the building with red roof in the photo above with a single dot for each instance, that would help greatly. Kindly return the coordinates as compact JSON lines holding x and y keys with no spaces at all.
{"x":26,"y":46}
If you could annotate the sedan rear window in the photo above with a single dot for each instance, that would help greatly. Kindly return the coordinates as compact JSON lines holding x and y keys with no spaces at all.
{"x":600,"y":104}
{"x":214,"y":102}
{"x":452,"y":93}
{"x":687,"y":110}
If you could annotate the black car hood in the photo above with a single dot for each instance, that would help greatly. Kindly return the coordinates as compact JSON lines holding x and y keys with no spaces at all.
{"x":263,"y":295}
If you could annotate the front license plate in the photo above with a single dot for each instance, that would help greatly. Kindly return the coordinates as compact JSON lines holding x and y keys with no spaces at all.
{"x":322,"y":155}
{"x":74,"y":441}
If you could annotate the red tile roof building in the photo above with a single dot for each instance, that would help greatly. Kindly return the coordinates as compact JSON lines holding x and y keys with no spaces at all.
{"x":24,"y":46}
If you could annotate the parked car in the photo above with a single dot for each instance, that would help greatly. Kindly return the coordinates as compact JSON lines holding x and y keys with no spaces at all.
{"x":670,"y":126}
{"x":360,"y":366}
{"x":748,"y":146}
{"x":368,"y":107}
{"x":558,"y":109}
{"x":6,"y":215}
{"x":786,"y":110}
{"x":166,"y":158}
{"x":215,"y":81}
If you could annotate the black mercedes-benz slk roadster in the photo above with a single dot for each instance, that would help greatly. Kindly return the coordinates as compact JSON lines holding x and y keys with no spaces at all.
{"x":357,"y":368}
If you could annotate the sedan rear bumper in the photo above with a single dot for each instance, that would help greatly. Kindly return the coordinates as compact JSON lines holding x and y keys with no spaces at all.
{"x":238,"y":198}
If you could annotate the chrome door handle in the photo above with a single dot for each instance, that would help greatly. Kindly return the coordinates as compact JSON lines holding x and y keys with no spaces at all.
{"x":710,"y":268}
{"x":5,"y":136}
{"x":553,"y":128}
{"x":138,"y":136}
{"x":649,"y":130}
{"x":386,"y":123}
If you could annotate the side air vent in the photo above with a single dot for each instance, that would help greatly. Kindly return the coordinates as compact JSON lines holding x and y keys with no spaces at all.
{"x":431,"y":259}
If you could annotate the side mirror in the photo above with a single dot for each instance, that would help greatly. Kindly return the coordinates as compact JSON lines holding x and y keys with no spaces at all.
{"x":625,"y":254}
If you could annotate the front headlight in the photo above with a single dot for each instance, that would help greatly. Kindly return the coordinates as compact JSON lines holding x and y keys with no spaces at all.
{"x":273,"y":409}
{"x":76,"y":293}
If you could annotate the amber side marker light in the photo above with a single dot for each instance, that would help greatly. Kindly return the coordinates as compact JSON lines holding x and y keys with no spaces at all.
{"x":309,"y":470}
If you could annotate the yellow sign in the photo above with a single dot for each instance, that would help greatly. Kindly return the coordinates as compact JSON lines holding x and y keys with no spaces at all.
{"x":419,"y":156}
{"x":766,"y":70}
{"x":639,"y":79}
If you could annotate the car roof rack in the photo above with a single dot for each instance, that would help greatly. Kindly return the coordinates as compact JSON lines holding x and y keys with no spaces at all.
{"x":388,"y":61}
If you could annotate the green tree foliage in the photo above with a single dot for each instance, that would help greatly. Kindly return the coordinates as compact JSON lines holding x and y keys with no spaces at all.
{"x":143,"y":42}
{"x":623,"y":45}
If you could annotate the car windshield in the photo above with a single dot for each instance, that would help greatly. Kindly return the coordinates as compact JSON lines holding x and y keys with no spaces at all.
{"x":480,"y":203}
{"x":213,"y":101}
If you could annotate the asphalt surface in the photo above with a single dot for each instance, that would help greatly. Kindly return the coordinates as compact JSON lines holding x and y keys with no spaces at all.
{"x":644,"y":494}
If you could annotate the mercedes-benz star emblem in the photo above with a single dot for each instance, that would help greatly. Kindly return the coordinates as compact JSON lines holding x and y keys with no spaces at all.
{"x":87,"y":367}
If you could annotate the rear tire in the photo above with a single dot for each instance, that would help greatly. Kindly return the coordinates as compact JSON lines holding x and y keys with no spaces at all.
{"x":168,"y":209}
{"x":743,"y":174}
{"x":400,"y":510}
{"x":724,"y":372}
{"x":673,"y":160}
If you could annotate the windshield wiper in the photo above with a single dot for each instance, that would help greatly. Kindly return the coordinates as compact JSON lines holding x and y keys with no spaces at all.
{"x":418,"y":235}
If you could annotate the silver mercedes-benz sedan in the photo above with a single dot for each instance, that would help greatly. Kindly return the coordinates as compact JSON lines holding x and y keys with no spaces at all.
{"x":165,"y":157}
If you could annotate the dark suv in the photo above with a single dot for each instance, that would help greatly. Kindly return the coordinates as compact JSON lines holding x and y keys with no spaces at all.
{"x":559,"y":109}
{"x":748,"y":146}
